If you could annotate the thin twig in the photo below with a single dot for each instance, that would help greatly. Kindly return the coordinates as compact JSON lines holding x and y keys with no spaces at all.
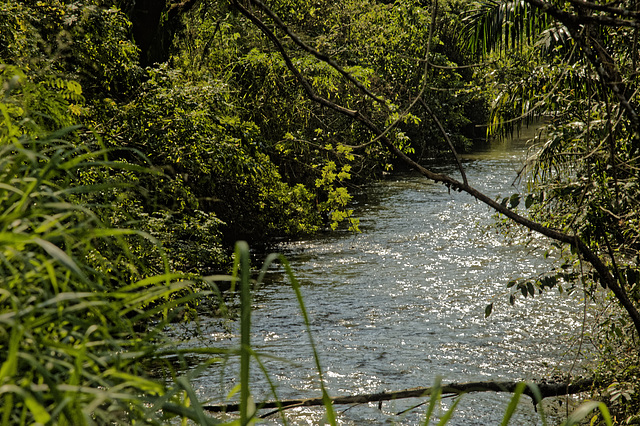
{"x":446,"y":137}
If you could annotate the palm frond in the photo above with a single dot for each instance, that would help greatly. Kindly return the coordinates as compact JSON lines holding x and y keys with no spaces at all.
{"x":501,"y":25}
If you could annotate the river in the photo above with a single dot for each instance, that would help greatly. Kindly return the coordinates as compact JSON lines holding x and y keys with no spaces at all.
{"x":403,"y":302}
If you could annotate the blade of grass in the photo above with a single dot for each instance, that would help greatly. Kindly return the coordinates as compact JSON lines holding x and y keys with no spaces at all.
{"x":242,"y":254}
{"x":331,"y":417}
{"x":62,"y":257}
{"x":433,"y":400}
{"x":580,"y":413}
{"x":537,"y":401}
{"x":447,"y":416}
{"x":513,"y":404}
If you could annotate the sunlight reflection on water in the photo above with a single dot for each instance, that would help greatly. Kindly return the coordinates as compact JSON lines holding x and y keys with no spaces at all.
{"x":403,"y":303}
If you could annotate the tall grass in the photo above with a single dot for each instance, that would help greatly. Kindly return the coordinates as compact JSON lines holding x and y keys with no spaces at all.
{"x":80,"y":318}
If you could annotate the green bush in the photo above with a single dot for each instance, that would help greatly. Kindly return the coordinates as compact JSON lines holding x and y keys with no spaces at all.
{"x":210,"y":160}
{"x":81,"y":40}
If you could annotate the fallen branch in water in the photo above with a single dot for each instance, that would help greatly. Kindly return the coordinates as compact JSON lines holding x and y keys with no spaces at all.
{"x":546,"y":390}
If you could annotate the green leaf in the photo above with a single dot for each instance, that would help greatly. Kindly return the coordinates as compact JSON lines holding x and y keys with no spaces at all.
{"x":62,"y":257}
{"x":528,"y":202}
{"x":488,"y":310}
{"x":234,"y":391}
{"x":523,"y":289}
{"x":40,"y":414}
{"x":514,"y":201}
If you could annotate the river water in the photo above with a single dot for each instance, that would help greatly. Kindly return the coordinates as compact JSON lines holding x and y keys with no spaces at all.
{"x":403,"y":302}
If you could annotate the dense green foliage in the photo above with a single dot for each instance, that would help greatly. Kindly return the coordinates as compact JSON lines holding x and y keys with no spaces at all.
{"x":75,"y":301}
{"x":240,"y":151}
{"x":210,"y":160}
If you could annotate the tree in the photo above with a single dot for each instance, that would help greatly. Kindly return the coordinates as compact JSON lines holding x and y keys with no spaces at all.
{"x":583,"y":174}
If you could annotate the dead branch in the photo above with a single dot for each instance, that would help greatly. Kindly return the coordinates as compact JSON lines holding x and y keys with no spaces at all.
{"x":546,"y":390}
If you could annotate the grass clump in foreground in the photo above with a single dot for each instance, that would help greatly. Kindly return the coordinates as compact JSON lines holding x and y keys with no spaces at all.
{"x":75,"y":305}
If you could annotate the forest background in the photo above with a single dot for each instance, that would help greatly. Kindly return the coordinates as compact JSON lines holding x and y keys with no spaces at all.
{"x":142,"y":139}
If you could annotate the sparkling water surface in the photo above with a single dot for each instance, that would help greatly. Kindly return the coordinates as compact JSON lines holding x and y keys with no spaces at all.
{"x":403,"y":303}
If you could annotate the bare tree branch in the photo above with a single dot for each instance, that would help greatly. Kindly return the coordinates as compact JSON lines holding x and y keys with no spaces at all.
{"x":446,"y":137}
{"x":546,"y":390}
{"x":569,"y":18}
{"x":606,"y":8}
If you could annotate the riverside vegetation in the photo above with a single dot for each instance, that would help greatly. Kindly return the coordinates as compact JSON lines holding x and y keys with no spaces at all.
{"x":139,"y":142}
